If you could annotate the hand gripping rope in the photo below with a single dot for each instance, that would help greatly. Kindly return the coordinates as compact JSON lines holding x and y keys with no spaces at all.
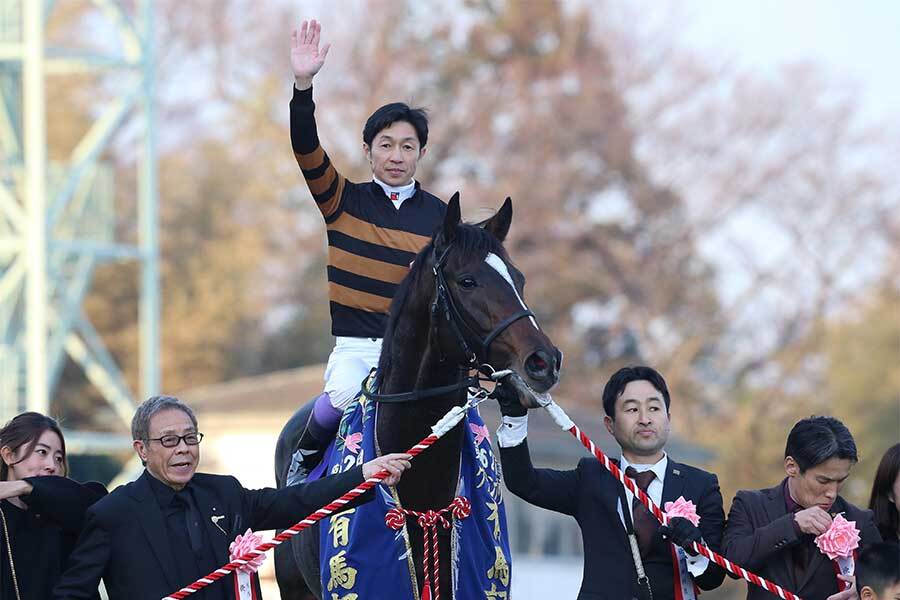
{"x":563,"y":420}
{"x":447,"y":422}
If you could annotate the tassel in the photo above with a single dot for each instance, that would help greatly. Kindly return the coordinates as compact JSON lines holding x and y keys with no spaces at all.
{"x":426,"y":591}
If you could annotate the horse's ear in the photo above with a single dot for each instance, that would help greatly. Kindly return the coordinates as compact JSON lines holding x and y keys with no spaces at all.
{"x":451,"y":219}
{"x":500,"y":222}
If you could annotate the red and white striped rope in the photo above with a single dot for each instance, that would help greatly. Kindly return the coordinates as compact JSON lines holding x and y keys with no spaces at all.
{"x":563,"y":420}
{"x":447,"y":422}
{"x":395,"y":518}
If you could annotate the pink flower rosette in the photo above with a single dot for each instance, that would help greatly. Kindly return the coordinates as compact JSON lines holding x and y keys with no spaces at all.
{"x":682,"y":508}
{"x":841,"y":539}
{"x":243,"y":544}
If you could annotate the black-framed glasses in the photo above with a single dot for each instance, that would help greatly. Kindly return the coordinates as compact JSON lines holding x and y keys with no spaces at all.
{"x":170,"y":441}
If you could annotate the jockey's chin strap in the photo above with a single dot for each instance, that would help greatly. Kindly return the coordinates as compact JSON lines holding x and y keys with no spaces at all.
{"x":466,"y":337}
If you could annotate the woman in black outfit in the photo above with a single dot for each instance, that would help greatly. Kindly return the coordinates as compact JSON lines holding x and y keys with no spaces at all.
{"x":885,"y":499}
{"x":41,"y":510}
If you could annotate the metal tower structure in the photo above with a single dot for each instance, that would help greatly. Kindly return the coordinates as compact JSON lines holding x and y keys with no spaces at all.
{"x":57,"y":219}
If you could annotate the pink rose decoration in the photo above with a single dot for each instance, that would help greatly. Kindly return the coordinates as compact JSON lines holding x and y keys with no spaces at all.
{"x":243,"y":544}
{"x":841,"y":539}
{"x":683,"y":508}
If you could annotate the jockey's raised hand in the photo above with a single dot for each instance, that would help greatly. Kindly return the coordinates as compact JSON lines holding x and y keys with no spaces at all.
{"x":306,"y":57}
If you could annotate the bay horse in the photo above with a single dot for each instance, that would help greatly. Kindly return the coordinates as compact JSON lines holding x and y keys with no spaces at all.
{"x":459,"y":309}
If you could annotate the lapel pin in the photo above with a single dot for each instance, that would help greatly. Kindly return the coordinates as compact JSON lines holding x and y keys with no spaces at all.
{"x":215,"y":521}
{"x":676,"y":472}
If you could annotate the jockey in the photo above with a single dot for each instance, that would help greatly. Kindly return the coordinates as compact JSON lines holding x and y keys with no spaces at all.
{"x":374,"y":229}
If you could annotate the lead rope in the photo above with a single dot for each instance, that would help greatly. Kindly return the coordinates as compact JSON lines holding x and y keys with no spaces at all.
{"x":12,"y":565}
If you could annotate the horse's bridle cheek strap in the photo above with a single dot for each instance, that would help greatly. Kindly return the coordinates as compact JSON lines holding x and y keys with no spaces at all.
{"x":459,"y":325}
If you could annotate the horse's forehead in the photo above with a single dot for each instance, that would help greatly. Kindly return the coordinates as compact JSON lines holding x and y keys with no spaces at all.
{"x":498,"y":264}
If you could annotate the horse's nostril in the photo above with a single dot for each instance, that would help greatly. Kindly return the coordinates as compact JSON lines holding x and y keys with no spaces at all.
{"x":537,"y":365}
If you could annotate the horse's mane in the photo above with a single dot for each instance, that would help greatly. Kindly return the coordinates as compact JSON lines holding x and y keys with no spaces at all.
{"x":470,"y":241}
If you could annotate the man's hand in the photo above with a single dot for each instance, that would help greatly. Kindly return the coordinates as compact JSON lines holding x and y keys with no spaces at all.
{"x":849,"y":593}
{"x":508,"y":399}
{"x":306,"y":58}
{"x":394,"y":463}
{"x":682,"y":532}
{"x":813,"y":520}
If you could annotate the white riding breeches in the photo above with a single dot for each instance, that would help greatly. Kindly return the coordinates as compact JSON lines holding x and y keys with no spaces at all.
{"x":348,"y":365}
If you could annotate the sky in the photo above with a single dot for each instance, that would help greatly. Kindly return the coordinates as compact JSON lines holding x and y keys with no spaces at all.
{"x":858,"y":41}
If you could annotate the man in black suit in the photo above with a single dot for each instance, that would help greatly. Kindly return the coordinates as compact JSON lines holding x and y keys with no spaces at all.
{"x":772,"y":531}
{"x":172,"y":526}
{"x":621,"y":537}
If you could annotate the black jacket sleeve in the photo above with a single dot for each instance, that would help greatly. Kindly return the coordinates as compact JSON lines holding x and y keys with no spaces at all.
{"x":547,"y":488}
{"x":87,"y":563}
{"x":712,"y":524}
{"x":279,"y":509}
{"x":63,"y":500}
{"x":751,"y":546}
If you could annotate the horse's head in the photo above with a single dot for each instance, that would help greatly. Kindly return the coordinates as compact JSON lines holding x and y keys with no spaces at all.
{"x":478,"y":311}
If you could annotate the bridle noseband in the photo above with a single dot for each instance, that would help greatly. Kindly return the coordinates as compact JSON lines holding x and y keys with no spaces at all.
{"x":473,"y":346}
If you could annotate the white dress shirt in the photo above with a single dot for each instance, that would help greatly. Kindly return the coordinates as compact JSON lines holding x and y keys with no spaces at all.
{"x":696,"y":564}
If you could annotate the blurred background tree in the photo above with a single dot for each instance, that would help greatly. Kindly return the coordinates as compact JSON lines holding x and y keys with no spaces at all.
{"x":737,"y":229}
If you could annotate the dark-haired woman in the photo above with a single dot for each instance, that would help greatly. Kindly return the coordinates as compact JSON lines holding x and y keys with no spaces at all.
{"x":41,"y":510}
{"x":885,"y":499}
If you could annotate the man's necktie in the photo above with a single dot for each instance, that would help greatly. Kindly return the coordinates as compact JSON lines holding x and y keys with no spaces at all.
{"x":191,"y":519}
{"x":645,"y":524}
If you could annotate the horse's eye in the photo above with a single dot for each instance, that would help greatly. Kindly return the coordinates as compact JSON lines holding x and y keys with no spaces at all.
{"x":467,"y":282}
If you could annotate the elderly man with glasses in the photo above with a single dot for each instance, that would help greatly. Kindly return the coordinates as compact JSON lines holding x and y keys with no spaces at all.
{"x":172,"y":525}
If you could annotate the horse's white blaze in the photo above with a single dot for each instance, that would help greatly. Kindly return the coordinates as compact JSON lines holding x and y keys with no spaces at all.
{"x":498,"y":265}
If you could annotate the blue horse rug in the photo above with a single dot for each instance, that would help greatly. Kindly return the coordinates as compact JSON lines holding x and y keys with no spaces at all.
{"x":361,"y":557}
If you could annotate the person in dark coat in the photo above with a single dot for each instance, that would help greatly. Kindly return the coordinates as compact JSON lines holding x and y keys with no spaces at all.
{"x":636,"y":401}
{"x":171,"y":526}
{"x":41,"y":510}
{"x":772,"y":531}
{"x":884,"y":501}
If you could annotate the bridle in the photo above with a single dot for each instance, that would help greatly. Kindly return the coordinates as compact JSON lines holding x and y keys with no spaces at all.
{"x":472,"y":345}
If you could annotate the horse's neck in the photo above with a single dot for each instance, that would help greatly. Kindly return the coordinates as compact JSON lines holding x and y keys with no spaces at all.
{"x":419,"y":368}
{"x":431,"y":483}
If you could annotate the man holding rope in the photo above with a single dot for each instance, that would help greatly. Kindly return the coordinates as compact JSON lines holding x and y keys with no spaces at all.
{"x":172,"y":525}
{"x":775,"y":531}
{"x":618,"y":530}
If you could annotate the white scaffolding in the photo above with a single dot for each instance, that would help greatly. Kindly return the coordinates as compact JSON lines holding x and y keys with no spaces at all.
{"x":57,"y":220}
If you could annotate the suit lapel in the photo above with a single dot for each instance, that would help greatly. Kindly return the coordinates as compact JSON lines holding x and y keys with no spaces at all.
{"x":153,"y":523}
{"x":216,"y":530}
{"x":673,"y":484}
{"x":820,"y":561}
{"x":775,"y":508}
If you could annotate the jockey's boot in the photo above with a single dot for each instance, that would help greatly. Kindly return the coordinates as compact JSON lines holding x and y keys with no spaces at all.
{"x":308,"y":454}
{"x":313,"y":441}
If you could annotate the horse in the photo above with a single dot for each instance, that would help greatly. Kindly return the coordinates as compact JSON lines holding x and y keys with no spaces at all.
{"x":460,"y":308}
